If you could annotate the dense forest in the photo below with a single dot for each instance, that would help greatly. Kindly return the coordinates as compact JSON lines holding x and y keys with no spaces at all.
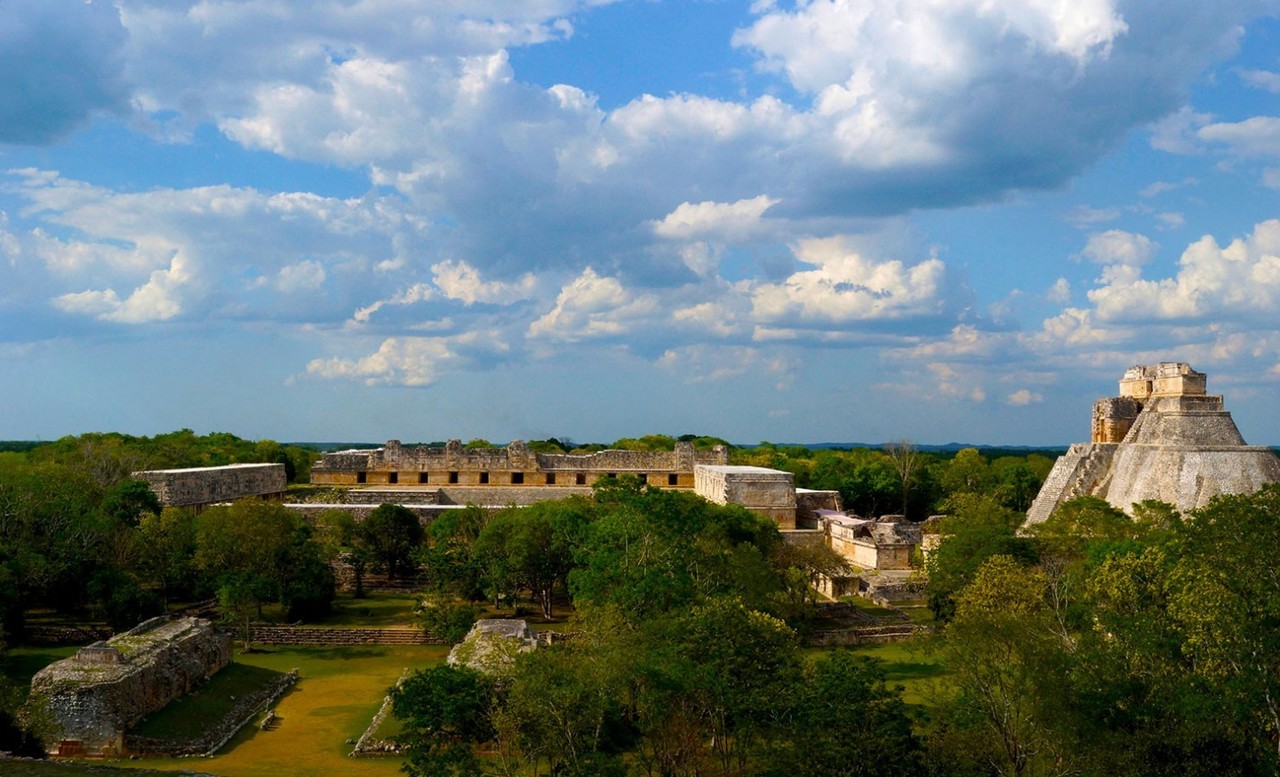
{"x":1095,"y":644}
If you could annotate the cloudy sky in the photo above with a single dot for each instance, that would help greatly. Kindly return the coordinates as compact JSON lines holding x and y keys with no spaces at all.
{"x":790,"y":220}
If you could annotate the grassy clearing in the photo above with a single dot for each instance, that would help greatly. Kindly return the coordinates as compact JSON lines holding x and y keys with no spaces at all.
{"x":917,"y":665}
{"x":20,"y":664}
{"x":338,"y":692}
{"x":187,"y":718}
{"x":375,"y":610}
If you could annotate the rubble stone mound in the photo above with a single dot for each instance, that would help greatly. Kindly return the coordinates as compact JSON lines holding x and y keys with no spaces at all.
{"x":492,"y":644}
{"x":1163,"y":438}
{"x":92,"y":698}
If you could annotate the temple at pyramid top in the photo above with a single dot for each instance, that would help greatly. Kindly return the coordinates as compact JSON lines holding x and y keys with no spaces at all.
{"x":1164,"y":437}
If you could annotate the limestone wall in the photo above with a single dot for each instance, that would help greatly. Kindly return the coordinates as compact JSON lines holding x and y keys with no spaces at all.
{"x":93,"y":697}
{"x":211,"y":485}
{"x":514,"y":465}
{"x":770,"y":492}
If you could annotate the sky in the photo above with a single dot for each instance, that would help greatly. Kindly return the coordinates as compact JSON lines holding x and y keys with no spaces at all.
{"x":785,"y":220}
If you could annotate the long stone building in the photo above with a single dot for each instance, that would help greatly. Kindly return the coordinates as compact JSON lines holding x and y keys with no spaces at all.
{"x":1165,"y":438}
{"x":514,"y":465}
{"x":428,"y":479}
{"x":200,"y":487}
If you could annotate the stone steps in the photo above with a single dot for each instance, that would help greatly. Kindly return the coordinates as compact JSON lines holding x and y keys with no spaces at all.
{"x":309,"y":636}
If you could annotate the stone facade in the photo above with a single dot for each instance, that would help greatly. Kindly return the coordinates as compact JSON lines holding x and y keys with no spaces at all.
{"x":1163,"y":438}
{"x":92,"y":698}
{"x":769,"y":492}
{"x":882,"y":545}
{"x":514,"y":465}
{"x":203,"y":486}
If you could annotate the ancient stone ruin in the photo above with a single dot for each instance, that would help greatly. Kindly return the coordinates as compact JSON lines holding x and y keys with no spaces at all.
{"x":91,"y":699}
{"x":1163,"y":438}
{"x":203,"y":486}
{"x":492,"y":645}
{"x":428,"y":480}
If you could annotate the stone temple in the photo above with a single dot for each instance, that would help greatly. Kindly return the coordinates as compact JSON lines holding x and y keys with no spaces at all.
{"x":1163,"y":438}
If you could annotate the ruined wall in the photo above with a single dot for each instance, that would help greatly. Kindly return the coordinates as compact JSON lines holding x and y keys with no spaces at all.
{"x":211,"y":485}
{"x":93,"y":697}
{"x":514,"y":465}
{"x":1113,"y":417}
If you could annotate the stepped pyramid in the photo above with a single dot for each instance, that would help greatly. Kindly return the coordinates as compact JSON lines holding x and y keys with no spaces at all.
{"x":1163,"y":438}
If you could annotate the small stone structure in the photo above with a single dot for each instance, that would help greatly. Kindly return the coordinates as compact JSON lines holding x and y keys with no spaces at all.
{"x":880,"y":552}
{"x":94,"y":697}
{"x":1163,"y":438}
{"x":514,"y":465}
{"x":204,"y":486}
{"x":492,"y":645}
{"x":769,"y":492}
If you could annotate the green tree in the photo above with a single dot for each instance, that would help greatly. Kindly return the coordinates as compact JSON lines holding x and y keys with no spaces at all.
{"x":129,"y":501}
{"x":445,"y":711}
{"x":978,"y":529}
{"x":1009,"y":660}
{"x":846,"y":722}
{"x":392,"y":533}
{"x":166,"y":551}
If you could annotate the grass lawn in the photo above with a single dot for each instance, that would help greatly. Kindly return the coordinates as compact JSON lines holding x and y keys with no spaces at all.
{"x":375,"y":611}
{"x":916,"y":665}
{"x":20,"y":664}
{"x":337,"y":694}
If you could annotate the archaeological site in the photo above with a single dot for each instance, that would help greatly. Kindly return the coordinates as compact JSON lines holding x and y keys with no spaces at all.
{"x":1162,"y":438}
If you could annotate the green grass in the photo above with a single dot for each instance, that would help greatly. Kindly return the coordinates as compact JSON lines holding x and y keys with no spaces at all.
{"x":338,"y":692}
{"x":188,"y":717}
{"x":917,"y":665}
{"x":376,"y":610}
{"x":65,"y":769}
{"x":20,"y":664}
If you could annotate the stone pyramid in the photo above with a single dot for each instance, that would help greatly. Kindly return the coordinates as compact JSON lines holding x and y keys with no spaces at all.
{"x":1163,"y":438}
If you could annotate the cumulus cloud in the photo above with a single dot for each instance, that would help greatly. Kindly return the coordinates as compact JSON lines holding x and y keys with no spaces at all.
{"x":592,"y":306}
{"x":1240,"y":280}
{"x":459,"y":280}
{"x":204,"y":252}
{"x":409,"y":361}
{"x":733,"y":221}
{"x":846,"y":287}
{"x":1115,"y":246}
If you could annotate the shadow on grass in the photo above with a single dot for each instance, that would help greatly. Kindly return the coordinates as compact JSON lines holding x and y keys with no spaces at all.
{"x":909,"y":670}
{"x":189,"y":717}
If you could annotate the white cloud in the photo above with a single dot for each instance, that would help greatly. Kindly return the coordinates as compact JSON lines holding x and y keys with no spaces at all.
{"x":1116,"y":246}
{"x":1059,"y":292}
{"x":593,"y":306}
{"x":847,"y":287}
{"x":300,"y":277}
{"x":734,"y":222}
{"x":1023,"y":397}
{"x":408,"y":361}
{"x":1256,"y":136}
{"x":1240,"y":280}
{"x":459,"y":280}
{"x":1262,"y":79}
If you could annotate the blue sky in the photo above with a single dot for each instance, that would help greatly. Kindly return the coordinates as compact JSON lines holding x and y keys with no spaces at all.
{"x":802,"y":220}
